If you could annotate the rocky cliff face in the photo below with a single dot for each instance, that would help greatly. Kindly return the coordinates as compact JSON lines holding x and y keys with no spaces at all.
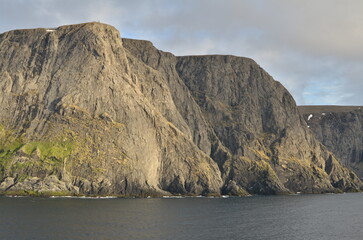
{"x":83,"y":111}
{"x":340,"y":129}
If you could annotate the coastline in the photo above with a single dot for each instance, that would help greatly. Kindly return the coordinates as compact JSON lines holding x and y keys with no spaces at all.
{"x":31,"y":194}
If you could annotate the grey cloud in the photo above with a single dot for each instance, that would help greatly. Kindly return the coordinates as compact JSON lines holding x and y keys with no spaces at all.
{"x":305,"y":45}
{"x":16,"y":14}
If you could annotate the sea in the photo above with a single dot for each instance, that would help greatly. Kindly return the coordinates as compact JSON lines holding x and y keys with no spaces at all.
{"x":303,"y":217}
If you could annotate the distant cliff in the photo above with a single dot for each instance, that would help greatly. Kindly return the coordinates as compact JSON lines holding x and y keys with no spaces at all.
{"x":340,"y":129}
{"x":83,"y":111}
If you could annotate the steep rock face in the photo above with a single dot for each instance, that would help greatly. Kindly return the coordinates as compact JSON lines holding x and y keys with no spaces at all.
{"x":164,"y":63}
{"x":72,"y":90}
{"x":247,"y":122}
{"x":258,"y":121}
{"x":340,"y":129}
{"x":83,"y":111}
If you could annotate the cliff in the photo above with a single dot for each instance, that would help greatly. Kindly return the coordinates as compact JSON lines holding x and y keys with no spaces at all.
{"x":83,"y":111}
{"x":340,"y":129}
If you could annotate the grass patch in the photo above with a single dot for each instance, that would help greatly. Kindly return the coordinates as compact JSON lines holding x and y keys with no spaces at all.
{"x":36,"y":154}
{"x":56,"y":150}
{"x":9,"y":145}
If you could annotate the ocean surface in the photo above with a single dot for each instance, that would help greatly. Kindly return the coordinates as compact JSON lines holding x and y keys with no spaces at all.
{"x":316,"y":217}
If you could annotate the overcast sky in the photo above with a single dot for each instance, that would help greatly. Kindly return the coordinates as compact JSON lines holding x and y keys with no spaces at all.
{"x":313,"y":47}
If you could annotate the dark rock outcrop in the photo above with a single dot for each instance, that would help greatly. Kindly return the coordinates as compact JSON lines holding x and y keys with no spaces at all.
{"x":340,"y":129}
{"x":84,"y":111}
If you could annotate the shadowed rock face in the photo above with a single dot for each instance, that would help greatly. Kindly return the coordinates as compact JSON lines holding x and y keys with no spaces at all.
{"x":83,"y":111}
{"x":340,"y":129}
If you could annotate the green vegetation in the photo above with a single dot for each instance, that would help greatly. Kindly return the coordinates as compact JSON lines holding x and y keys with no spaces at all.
{"x":50,"y":150}
{"x":41,"y":154}
{"x":9,"y":145}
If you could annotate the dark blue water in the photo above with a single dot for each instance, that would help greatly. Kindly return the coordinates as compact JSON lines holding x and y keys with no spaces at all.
{"x":330,"y":216}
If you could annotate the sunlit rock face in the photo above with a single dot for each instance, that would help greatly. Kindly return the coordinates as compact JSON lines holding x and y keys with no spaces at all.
{"x":83,"y":111}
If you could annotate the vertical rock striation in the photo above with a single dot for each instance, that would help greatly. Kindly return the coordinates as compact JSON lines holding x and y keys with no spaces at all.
{"x":75,"y":84}
{"x":255,"y":132}
{"x":84,"y":111}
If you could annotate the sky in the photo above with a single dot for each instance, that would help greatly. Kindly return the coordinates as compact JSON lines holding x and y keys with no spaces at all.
{"x":313,"y":47}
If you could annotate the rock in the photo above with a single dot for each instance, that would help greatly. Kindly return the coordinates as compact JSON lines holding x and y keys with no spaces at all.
{"x":340,"y":129}
{"x":49,"y":185}
{"x":83,"y":110}
{"x":64,"y":83}
{"x":233,"y":189}
{"x":27,"y":184}
{"x":7,"y":183}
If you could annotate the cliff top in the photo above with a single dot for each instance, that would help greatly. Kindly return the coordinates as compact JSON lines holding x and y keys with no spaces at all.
{"x":326,"y":108}
{"x":63,"y":27}
{"x":97,"y":25}
{"x":219,"y":57}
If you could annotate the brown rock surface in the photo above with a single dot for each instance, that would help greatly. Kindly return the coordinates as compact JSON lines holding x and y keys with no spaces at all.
{"x":83,"y":111}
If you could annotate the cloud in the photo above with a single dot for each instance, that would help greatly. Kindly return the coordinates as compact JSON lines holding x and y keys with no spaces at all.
{"x":312,"y":47}
{"x":16,"y":14}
